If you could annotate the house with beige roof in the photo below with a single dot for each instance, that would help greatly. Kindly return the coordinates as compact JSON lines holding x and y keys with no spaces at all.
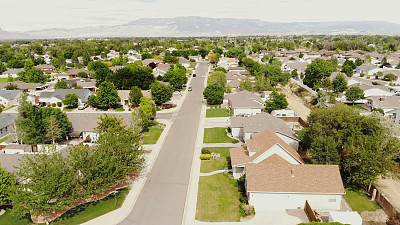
{"x":245,"y":103}
{"x":278,"y":179}
{"x":247,"y":128}
{"x":386,"y":103}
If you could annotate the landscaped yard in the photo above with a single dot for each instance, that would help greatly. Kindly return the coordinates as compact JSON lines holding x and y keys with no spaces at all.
{"x":77,"y":215}
{"x":218,"y":199}
{"x":218,"y":164}
{"x":119,"y":109}
{"x":66,"y":109}
{"x":359,"y":201}
{"x":13,"y":106}
{"x":219,"y":112}
{"x":356,"y":106}
{"x":151,"y":137}
{"x":217,"y":135}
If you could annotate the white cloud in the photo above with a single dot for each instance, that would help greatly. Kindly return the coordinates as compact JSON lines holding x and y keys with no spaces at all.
{"x":23,"y":15}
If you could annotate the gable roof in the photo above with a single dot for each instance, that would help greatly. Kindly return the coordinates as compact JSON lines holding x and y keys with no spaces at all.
{"x":6,"y":120}
{"x":261,"y":122}
{"x":81,"y":122}
{"x":82,"y":94}
{"x":245,"y":99}
{"x":9,"y":94}
{"x":306,"y":178}
{"x":386,"y":101}
{"x":262,"y":144}
{"x":45,"y":66}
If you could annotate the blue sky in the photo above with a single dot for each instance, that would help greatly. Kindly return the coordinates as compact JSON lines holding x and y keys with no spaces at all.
{"x":24,"y":15}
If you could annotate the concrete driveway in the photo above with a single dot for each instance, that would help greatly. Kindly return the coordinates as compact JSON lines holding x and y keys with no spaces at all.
{"x":162,"y":199}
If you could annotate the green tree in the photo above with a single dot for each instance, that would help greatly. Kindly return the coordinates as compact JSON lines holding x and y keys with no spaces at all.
{"x":53,"y":130}
{"x":92,"y":100}
{"x":276,"y":101}
{"x":15,"y":63}
{"x":359,"y":62}
{"x":354,"y":94}
{"x":246,"y":85}
{"x":348,"y":70}
{"x":28,"y":65}
{"x":6,"y":184}
{"x":11,"y":86}
{"x":316,"y":71}
{"x":82,"y":74}
{"x":339,"y":84}
{"x":214,"y":93}
{"x":71,"y":100}
{"x":135,"y":95}
{"x":161,"y":93}
{"x":107,"y":95}
{"x":110,"y":123}
{"x":146,"y":110}
{"x":2,"y":68}
{"x":323,"y":150}
{"x":262,"y":84}
{"x":146,"y":55}
{"x":61,"y":84}
{"x":217,"y":77}
{"x":133,"y":75}
{"x":389,"y":77}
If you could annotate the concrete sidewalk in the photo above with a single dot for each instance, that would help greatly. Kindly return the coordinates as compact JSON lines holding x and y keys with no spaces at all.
{"x":213,"y":172}
{"x":233,"y":145}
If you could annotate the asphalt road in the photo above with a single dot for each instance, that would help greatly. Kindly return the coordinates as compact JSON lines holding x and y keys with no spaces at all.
{"x":162,"y":199}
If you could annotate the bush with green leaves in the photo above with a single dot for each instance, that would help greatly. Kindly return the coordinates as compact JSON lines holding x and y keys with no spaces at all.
{"x":71,"y":100}
{"x":205,"y":151}
{"x":205,"y":156}
{"x":276,"y":101}
{"x":214,"y":93}
{"x":59,"y":104}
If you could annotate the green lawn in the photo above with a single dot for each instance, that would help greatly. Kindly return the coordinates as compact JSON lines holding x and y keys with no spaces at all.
{"x":13,"y":106}
{"x":217,"y":135}
{"x":219,"y":112}
{"x":5,"y":138}
{"x":3,"y":80}
{"x":218,"y":164}
{"x":79,"y":214}
{"x":119,"y":109}
{"x":218,"y":199}
{"x":359,"y":201}
{"x":356,"y":106}
{"x":66,"y":109}
{"x":151,"y":137}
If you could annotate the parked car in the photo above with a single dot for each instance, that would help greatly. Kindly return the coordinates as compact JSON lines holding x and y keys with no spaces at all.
{"x":189,"y":88}
{"x":177,"y":93}
{"x":194,"y":75}
{"x":83,"y":106}
{"x":40,"y":105}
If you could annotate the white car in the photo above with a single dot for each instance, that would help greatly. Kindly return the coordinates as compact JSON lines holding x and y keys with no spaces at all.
{"x":83,"y":106}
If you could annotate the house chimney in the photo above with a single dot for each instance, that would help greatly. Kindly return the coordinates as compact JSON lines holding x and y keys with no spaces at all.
{"x":292,"y":172}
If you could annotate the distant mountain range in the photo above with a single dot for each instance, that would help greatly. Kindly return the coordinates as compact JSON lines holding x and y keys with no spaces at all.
{"x":203,"y":26}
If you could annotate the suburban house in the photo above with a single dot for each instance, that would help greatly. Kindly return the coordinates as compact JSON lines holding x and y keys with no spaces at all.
{"x":151,"y":62}
{"x":17,"y":149}
{"x":277,"y":178}
{"x":284,"y":113}
{"x":247,"y":128}
{"x":71,"y":74}
{"x":9,"y":97}
{"x":124,"y":96}
{"x":23,"y":86}
{"x":161,"y":69}
{"x":58,"y":95}
{"x":368,"y":70}
{"x":184,"y":62}
{"x":85,"y":83}
{"x":12,"y":72}
{"x":245,"y":103}
{"x":46,"y":68}
{"x":386,"y":103}
{"x":83,"y":125}
{"x":226,"y":62}
{"x":6,"y":124}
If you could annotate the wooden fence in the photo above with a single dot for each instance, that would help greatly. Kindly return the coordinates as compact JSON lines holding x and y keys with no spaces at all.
{"x":294,"y":119}
{"x":310,"y":213}
{"x":382,"y":201}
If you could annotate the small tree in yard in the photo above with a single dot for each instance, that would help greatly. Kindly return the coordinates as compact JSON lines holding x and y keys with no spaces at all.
{"x":161,"y":93}
{"x":276,"y":101}
{"x":339,"y":84}
{"x":214,"y":93}
{"x":11,"y":86}
{"x":71,"y":100}
{"x":354,"y":94}
{"x":53,"y":130}
{"x":134,"y":96}
{"x":92,"y":100}
{"x":147,"y":111}
{"x":61,"y":84}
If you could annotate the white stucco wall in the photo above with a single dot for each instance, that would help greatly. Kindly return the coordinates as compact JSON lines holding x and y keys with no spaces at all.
{"x":236,"y":132}
{"x":237,"y":171}
{"x":277,"y":201}
{"x":13,"y":151}
{"x":251,"y":112}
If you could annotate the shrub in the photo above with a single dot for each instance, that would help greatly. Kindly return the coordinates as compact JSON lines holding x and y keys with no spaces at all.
{"x":362,"y":74}
{"x":368,"y":77}
{"x":205,"y":151}
{"x":235,"y":141}
{"x":205,"y":156}
{"x":53,"y":104}
{"x":375,"y":83}
{"x":59,"y":104}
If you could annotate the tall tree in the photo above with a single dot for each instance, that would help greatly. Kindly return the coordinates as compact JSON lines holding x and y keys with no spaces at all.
{"x":354,"y":94}
{"x":53,"y":130}
{"x":61,"y":84}
{"x":134,"y":96}
{"x":107,"y":95}
{"x":276,"y":101}
{"x":316,"y":71}
{"x":161,"y":93}
{"x":6,"y":183}
{"x":339,"y":84}
{"x":214,"y":93}
{"x":71,"y":100}
{"x":323,"y":150}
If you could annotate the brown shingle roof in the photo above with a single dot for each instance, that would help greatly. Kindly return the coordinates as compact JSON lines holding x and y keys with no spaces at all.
{"x":88,"y":121}
{"x":306,"y":178}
